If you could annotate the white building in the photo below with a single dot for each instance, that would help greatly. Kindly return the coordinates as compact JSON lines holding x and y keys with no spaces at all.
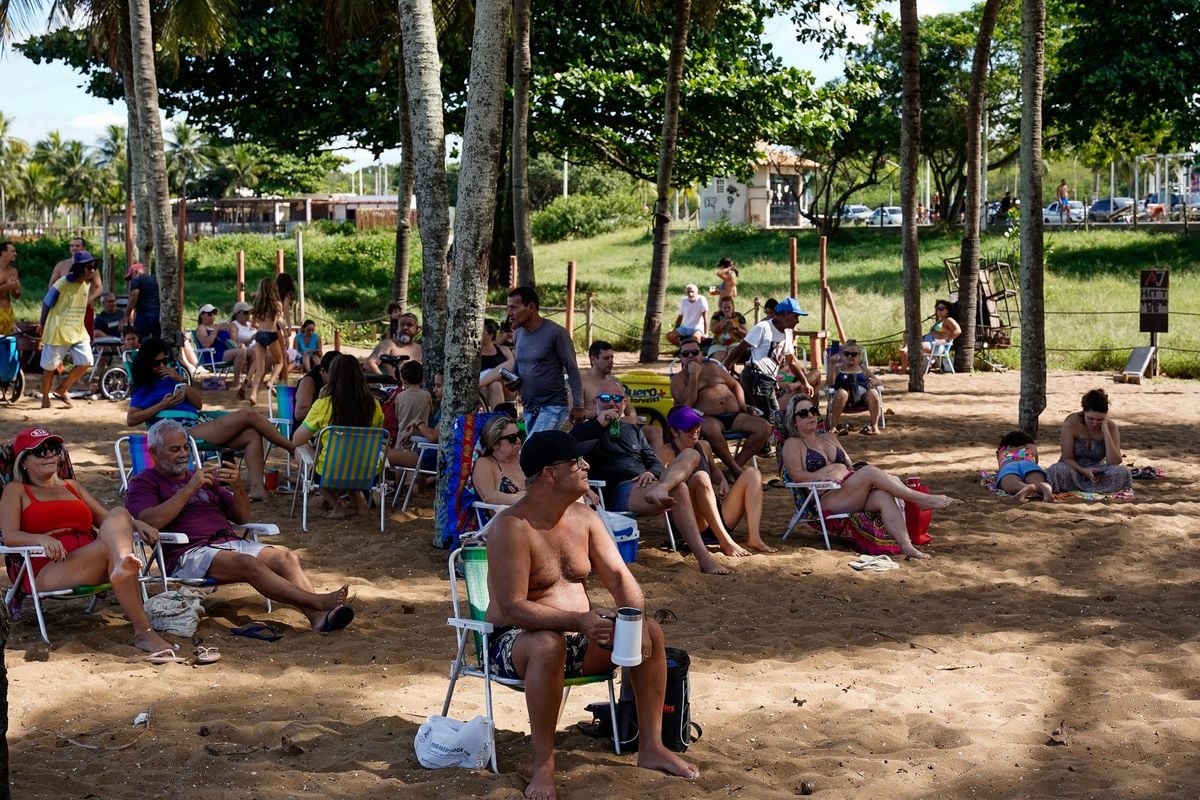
{"x":773,"y":198}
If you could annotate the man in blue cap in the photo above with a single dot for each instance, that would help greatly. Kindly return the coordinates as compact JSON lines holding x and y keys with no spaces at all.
{"x":62,"y":326}
{"x":771,"y":351}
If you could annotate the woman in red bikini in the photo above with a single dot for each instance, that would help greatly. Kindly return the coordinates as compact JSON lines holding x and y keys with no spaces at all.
{"x":85,"y":543}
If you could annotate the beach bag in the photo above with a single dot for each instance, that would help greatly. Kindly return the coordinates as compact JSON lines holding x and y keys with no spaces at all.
{"x":758,"y":382}
{"x":916,"y":519}
{"x":175,"y":611}
{"x":444,"y":742}
{"x":678,"y":730}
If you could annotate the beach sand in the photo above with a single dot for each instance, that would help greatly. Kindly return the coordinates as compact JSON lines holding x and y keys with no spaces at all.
{"x":941,"y":679}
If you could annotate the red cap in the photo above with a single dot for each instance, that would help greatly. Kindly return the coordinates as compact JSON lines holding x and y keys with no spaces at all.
{"x":135,"y":269}
{"x":31,"y":438}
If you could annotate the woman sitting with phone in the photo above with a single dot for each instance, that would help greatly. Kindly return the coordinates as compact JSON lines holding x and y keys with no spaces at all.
{"x":159,"y":390}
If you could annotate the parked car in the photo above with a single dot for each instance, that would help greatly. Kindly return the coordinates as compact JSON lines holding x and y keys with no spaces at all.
{"x":856,"y":213}
{"x":1074,"y":213}
{"x":1111,"y":209}
{"x":885,"y":215}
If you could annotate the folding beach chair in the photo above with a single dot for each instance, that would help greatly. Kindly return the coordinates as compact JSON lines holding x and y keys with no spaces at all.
{"x":283,"y":413}
{"x":940,"y":355}
{"x":355,"y":461}
{"x":473,"y":633}
{"x":206,"y":357}
{"x":428,"y":458}
{"x":831,"y":372}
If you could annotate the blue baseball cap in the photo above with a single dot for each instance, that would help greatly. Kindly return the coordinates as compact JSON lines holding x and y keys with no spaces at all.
{"x":789,"y":305}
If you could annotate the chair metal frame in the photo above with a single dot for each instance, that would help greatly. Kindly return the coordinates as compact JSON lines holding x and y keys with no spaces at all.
{"x":940,"y":353}
{"x":281,"y":418}
{"x":472,"y":632}
{"x":371,"y":445}
{"x":412,"y":474}
{"x":830,"y":392}
{"x":814,"y":489}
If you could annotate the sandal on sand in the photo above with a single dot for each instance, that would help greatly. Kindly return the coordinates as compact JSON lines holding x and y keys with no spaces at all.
{"x":880,"y":563}
{"x":205,"y":655}
{"x":263,"y":631}
{"x":335,"y":619}
{"x":168,"y":656}
{"x":867,"y":430}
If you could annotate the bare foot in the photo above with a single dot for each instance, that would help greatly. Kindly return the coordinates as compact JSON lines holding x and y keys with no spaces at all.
{"x":338,"y":513}
{"x":1023,"y":494}
{"x":761,"y":547}
{"x":1047,"y":493}
{"x":127,"y":569}
{"x":45,"y":401}
{"x":934,"y":501}
{"x":664,"y":760}
{"x":735,"y":550}
{"x":913,"y":552}
{"x":149,"y":641}
{"x":64,"y":398}
{"x":710,"y":567}
{"x":659,"y":495}
{"x":541,"y":785}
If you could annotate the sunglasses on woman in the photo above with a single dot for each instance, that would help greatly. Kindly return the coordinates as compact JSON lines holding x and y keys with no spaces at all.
{"x":851,"y":353}
{"x":804,"y":413}
{"x":512,"y":438}
{"x":47,"y":449}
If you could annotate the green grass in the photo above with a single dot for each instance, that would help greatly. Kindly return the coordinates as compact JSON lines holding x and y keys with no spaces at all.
{"x":349,"y":278}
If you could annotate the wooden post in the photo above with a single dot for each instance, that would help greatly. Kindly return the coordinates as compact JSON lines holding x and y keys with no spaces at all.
{"x":823,"y":278}
{"x":278,"y":262}
{"x":792,"y":260}
{"x":587,"y":320}
{"x":512,"y":272}
{"x":337,"y":340}
{"x":179,"y":256}
{"x":241,"y":276}
{"x":300,"y":270}
{"x":570,"y":326}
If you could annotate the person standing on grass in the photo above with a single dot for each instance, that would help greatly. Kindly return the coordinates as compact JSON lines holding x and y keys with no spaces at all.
{"x":1064,"y":201}
{"x":10,"y":287}
{"x":544,"y":354}
{"x":62,"y":328}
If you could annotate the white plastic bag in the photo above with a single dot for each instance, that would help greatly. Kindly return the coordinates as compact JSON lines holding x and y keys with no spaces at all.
{"x":176,"y":611}
{"x":445,"y":742}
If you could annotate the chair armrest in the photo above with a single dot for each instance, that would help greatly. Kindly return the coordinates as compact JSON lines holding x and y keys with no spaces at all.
{"x":597,"y":484}
{"x":23,"y":550}
{"x":306,"y":455}
{"x":172,"y":537}
{"x":818,"y":485}
{"x":475,"y":625}
{"x":493,"y":507}
{"x":259,"y":528}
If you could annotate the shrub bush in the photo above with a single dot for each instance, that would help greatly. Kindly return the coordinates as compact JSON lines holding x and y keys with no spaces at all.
{"x":580,"y":216}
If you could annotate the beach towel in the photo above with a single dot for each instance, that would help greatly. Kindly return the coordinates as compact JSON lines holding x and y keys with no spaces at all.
{"x":987,"y":479}
{"x":454,"y":516}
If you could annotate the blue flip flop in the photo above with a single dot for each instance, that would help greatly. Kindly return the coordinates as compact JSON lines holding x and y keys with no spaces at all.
{"x":262,"y":631}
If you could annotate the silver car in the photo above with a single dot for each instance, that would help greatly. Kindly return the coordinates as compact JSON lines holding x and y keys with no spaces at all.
{"x":1074,"y":213}
{"x":885,"y":215}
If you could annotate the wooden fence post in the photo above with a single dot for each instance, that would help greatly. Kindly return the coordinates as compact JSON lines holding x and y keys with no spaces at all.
{"x":570,"y":326}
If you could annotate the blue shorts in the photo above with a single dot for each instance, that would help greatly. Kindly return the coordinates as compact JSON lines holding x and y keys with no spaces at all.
{"x":1018,"y":468}
{"x":616,"y":498}
{"x":545,"y":418}
{"x":500,"y":652}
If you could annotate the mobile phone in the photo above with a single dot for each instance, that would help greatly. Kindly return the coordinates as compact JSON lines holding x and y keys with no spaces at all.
{"x":509,"y":375}
{"x":180,"y":388}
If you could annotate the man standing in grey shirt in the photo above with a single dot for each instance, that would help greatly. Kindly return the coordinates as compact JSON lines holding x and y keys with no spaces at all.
{"x":544,"y":352}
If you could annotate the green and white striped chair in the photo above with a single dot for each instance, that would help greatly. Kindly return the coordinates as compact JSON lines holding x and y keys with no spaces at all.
{"x":355,"y":461}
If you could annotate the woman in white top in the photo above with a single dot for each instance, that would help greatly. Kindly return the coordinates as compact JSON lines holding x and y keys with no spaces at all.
{"x":242,"y":332}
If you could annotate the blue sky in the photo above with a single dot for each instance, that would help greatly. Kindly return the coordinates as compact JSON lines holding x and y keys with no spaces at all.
{"x":39,"y":98}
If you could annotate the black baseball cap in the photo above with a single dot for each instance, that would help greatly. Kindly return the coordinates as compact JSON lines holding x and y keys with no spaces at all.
{"x":547,"y":448}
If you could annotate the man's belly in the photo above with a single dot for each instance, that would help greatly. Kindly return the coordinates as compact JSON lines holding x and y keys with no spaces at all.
{"x":716,"y":400}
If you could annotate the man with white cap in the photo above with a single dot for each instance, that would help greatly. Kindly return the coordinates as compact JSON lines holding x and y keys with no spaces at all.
{"x":62,"y":327}
{"x":143,"y":308}
{"x":771,"y":351}
{"x":692,"y":322}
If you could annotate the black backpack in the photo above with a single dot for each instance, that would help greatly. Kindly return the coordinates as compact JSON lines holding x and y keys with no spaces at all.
{"x":678,"y":730}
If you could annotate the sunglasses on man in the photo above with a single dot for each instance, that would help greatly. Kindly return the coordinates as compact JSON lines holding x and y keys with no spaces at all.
{"x":611,"y":398}
{"x":688,"y":353}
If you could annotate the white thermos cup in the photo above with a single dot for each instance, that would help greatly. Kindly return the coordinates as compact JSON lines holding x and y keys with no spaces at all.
{"x":627,"y":637}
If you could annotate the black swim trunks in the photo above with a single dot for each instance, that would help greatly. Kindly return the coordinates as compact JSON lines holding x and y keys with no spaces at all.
{"x":501,"y":645}
{"x":266,"y":338}
{"x":726,"y":420}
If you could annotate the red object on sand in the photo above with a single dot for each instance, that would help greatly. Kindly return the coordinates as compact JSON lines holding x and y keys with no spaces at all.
{"x":916,"y":519}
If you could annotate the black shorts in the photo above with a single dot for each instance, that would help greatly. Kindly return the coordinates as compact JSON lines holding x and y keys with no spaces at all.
{"x":726,"y":420}
{"x":266,"y":338}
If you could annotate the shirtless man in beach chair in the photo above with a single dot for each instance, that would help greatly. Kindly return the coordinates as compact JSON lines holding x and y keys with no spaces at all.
{"x":540,"y":551}
{"x":600,"y":359}
{"x":705,"y":385}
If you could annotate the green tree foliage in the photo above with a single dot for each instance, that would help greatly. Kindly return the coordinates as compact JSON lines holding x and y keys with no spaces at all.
{"x":1129,"y":71}
{"x":580,"y":216}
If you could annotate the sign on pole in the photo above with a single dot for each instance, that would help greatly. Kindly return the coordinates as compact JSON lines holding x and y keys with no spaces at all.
{"x":1153,"y":301}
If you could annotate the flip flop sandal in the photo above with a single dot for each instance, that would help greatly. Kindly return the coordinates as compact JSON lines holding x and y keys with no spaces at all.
{"x":880,"y":563}
{"x":867,"y":430}
{"x":262,"y":631}
{"x":205,"y":655}
{"x":167,"y":656}
{"x":335,"y":619}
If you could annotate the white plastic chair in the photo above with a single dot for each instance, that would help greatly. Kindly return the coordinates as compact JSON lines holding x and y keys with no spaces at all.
{"x":413,"y":474}
{"x":939,"y":353}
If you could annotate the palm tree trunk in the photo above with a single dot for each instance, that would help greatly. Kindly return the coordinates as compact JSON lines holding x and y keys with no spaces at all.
{"x":422,"y":77}
{"x":522,"y":68}
{"x":403,"y":201}
{"x":146,"y":97}
{"x":968,"y":267}
{"x":910,"y":147}
{"x":1033,"y":330}
{"x":5,"y":623}
{"x":661,"y":259}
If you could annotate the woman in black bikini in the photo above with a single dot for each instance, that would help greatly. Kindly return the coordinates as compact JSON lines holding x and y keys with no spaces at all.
{"x":492,"y":357}
{"x":809,"y":455}
{"x":497,"y":475}
{"x":709,"y":484}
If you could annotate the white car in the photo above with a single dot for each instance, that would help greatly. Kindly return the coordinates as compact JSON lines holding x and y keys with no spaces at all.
{"x":885,"y":215}
{"x":1075,"y":212}
{"x":856,"y":213}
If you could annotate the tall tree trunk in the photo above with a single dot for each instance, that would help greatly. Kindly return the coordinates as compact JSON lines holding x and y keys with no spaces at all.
{"x":910,"y":149}
{"x":661,"y":260}
{"x":5,"y":623}
{"x":522,"y":68}
{"x":483,"y":136}
{"x":1033,"y":330}
{"x":146,"y":97}
{"x":968,"y":267}
{"x":136,"y":156}
{"x":403,"y":201}
{"x":422,"y":79}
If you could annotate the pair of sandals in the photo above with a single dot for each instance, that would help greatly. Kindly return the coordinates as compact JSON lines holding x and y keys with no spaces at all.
{"x":880,"y":563}
{"x":866,"y":430}
{"x":200,"y":656}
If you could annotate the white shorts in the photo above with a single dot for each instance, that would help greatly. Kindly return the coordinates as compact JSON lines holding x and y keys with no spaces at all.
{"x":195,"y":563}
{"x":53,"y":354}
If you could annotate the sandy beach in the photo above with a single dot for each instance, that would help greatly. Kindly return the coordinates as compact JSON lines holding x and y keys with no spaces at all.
{"x":941,"y":679}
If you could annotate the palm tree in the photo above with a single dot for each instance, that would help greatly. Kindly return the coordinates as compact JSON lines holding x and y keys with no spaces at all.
{"x":242,"y":168}
{"x":910,"y":149}
{"x":968,"y":266}
{"x":36,"y":186}
{"x":188,"y":155}
{"x":12,"y":150}
{"x":1033,"y":330}
{"x":522,"y":69}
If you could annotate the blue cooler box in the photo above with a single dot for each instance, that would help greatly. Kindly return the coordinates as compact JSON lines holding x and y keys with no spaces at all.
{"x":625,"y":532}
